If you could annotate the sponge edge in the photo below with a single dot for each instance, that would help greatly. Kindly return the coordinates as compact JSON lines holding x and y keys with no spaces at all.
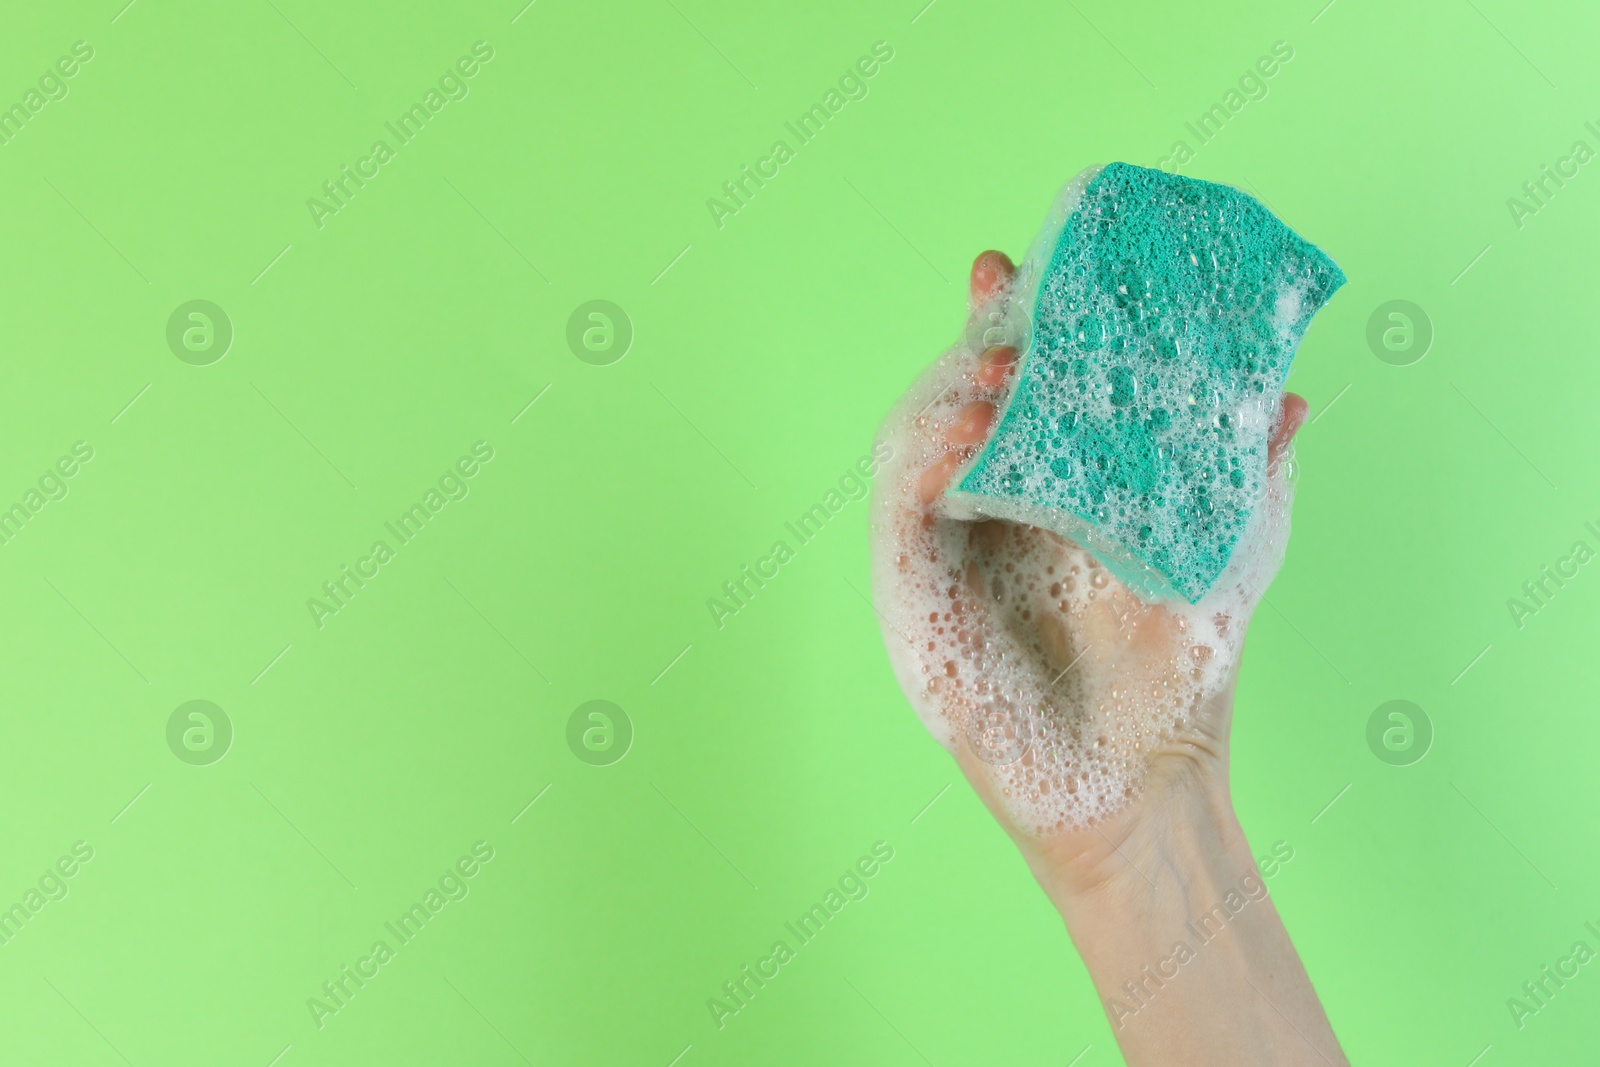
{"x":1158,"y":316}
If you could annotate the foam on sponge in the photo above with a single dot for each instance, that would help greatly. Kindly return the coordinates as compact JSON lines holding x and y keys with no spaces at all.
{"x":1162,"y":314}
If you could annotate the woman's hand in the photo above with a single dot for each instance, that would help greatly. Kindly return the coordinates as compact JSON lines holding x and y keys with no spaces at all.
{"x":1094,"y":725}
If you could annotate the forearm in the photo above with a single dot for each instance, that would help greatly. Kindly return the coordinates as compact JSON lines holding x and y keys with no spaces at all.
{"x":1185,"y":947}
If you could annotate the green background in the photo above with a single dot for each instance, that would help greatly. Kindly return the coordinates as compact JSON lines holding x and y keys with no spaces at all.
{"x":768,"y":755}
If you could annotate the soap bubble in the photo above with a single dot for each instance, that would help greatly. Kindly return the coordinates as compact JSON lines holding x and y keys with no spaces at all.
{"x":999,"y":735}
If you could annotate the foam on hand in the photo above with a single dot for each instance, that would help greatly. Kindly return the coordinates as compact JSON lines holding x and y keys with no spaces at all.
{"x":1156,"y":317}
{"x":1163,"y":315}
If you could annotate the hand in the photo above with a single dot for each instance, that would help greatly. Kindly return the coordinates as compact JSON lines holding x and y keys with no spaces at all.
{"x":1094,"y":725}
{"x":1078,"y":711}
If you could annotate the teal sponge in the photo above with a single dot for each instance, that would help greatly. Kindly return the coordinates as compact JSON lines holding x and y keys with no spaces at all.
{"x":1163,"y":313}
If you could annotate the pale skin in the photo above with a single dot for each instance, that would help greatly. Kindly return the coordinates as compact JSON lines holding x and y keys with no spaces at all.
{"x":1128,"y":886}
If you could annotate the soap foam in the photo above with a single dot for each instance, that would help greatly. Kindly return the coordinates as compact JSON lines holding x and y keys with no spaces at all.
{"x":1019,"y":645}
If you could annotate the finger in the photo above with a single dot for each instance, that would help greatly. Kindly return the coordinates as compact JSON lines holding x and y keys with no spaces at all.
{"x":995,"y":366}
{"x":1291,"y":417}
{"x":933,"y":482}
{"x":991,"y":272}
{"x":970,"y":428}
{"x":972,"y":424}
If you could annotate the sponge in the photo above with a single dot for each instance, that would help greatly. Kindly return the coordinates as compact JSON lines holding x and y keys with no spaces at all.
{"x":1161,"y":315}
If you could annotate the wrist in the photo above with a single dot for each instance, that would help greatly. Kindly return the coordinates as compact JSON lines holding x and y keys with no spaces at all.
{"x":1182,"y":833}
